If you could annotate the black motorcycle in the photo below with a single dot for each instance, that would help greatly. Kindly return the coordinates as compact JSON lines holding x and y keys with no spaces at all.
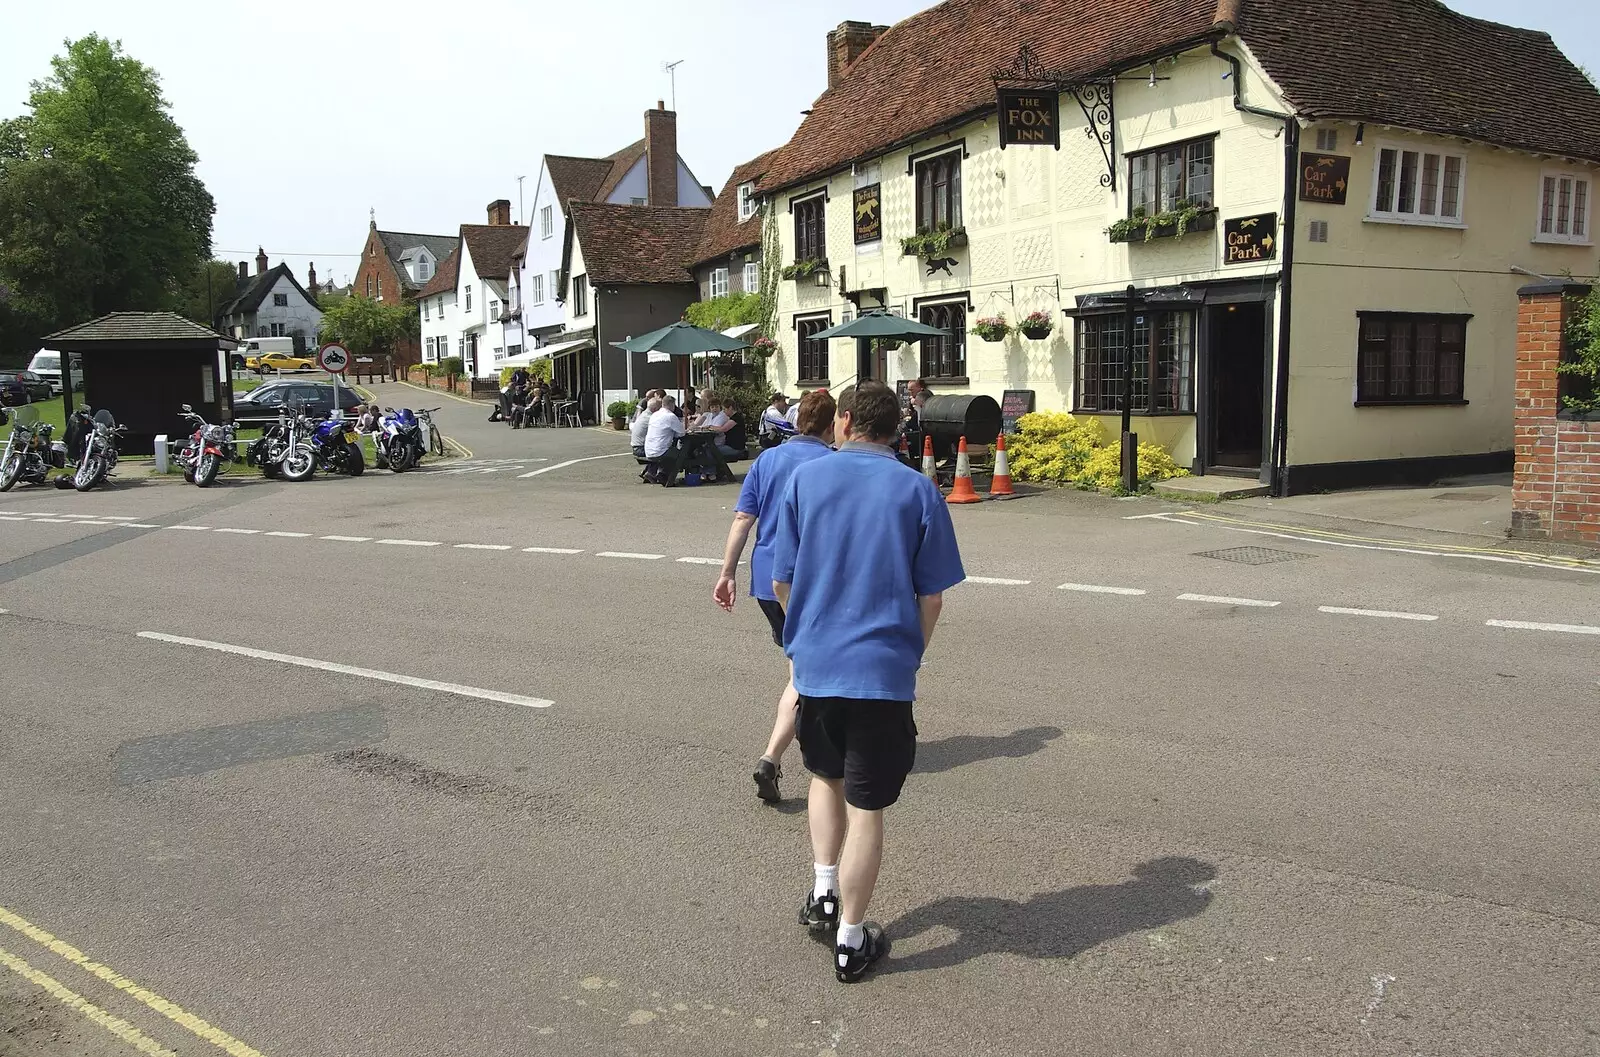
{"x":94,"y":438}
{"x":30,"y":454}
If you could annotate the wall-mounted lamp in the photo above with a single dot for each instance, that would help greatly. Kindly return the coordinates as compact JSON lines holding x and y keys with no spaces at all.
{"x":823,"y":279}
{"x":1361,"y":133}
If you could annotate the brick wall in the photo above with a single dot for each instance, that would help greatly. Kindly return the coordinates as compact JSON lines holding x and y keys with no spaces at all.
{"x":375,"y":266}
{"x":1556,"y":490}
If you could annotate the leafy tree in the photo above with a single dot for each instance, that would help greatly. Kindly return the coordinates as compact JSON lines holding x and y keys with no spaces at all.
{"x":100,"y":206}
{"x":365,"y":326}
{"x":206,"y":289}
{"x":729,"y":310}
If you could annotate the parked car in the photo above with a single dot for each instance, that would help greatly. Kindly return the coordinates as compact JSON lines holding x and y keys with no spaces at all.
{"x":39,"y":388}
{"x":251,"y":348}
{"x":260,"y":406}
{"x":13,"y":390}
{"x":46,"y":363}
{"x":278,"y":361}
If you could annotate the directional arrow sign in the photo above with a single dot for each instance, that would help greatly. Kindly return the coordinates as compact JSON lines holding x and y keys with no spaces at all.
{"x":333,"y":358}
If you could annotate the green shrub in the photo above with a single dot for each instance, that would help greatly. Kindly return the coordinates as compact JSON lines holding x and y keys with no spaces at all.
{"x":538,"y":370}
{"x":621,"y":408}
{"x":453,"y":366}
{"x":1104,"y":468}
{"x":1054,"y":447}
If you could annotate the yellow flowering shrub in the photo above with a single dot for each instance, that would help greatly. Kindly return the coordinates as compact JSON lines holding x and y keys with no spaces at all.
{"x":1104,"y":467}
{"x":1055,"y":447}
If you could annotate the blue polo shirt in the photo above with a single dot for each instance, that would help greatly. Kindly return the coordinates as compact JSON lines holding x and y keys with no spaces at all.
{"x":859,"y":537}
{"x":764,"y":485}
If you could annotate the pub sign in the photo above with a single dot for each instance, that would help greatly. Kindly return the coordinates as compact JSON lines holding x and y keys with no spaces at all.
{"x":869,"y":213}
{"x":1251,"y":239}
{"x":1030,"y":117}
{"x":1324,"y":178}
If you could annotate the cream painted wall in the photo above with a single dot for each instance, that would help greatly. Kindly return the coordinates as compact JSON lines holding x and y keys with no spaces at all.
{"x":1371,"y":266}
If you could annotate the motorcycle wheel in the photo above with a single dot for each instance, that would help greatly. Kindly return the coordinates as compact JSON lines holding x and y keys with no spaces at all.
{"x":90,"y":471}
{"x":355,"y":464}
{"x":400,"y":456}
{"x":10,"y":471}
{"x":206,"y":471}
{"x":299,"y":464}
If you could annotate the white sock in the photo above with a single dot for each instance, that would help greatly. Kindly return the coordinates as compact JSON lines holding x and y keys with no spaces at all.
{"x":827,"y":880}
{"x":852,"y":936}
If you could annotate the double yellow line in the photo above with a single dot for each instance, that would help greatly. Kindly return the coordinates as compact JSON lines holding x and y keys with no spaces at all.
{"x":116,"y":1025}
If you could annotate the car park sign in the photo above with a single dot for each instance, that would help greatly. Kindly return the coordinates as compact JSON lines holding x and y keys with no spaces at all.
{"x":333,"y":358}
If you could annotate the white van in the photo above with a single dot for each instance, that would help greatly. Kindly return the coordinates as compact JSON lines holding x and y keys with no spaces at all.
{"x":250,"y":348}
{"x":46,"y":363}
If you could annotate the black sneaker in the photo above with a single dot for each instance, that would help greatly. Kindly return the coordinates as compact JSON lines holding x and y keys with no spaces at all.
{"x":820,"y":916}
{"x":766,"y":776}
{"x":850,"y":964}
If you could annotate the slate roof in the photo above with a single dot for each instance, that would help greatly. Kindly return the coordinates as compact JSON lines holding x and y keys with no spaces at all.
{"x":136,"y":326}
{"x":636,"y":244}
{"x":724,"y":232}
{"x":493,"y":247}
{"x":1410,"y":63}
{"x":248,"y":298}
{"x":396,"y":243}
{"x":591,"y":179}
{"x":444,"y":279}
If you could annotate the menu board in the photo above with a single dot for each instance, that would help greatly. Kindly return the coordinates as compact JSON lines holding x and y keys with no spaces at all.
{"x":1014,"y":403}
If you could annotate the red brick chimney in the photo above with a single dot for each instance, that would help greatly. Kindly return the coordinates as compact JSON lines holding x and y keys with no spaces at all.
{"x":661,"y":148}
{"x":500,"y":213}
{"x":261,"y":261}
{"x":311,"y":278}
{"x":845,"y":46}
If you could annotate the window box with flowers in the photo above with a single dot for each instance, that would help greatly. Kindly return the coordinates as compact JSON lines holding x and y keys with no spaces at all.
{"x":805,"y":269}
{"x":1037,"y":326}
{"x":992,"y":328}
{"x":1174,"y":223}
{"x":934,"y":244}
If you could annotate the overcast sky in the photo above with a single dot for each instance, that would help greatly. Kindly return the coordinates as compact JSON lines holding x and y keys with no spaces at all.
{"x":307,"y":115}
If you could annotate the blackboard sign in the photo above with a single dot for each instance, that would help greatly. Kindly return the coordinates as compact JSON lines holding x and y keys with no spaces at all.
{"x":1324,"y":178}
{"x":903,"y":389}
{"x":1014,"y":403}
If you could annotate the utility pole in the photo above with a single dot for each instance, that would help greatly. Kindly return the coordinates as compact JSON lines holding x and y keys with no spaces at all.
{"x":671,"y":70}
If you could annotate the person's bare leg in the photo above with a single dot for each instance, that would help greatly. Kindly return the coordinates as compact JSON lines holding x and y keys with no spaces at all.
{"x":826,"y":812}
{"x":783,"y":725}
{"x":858,"y":865}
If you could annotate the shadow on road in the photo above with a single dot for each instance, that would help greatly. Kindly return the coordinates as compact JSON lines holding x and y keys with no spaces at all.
{"x":947,"y":754}
{"x":1056,"y":924}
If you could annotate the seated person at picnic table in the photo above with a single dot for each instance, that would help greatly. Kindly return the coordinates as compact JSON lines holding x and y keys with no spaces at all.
{"x":367,"y":421}
{"x":716,"y":420}
{"x":662,"y":434}
{"x":641,"y":425}
{"x":775,"y":425}
{"x":519,"y":407}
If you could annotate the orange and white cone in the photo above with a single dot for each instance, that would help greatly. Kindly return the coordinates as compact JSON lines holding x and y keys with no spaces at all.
{"x":963,"y":492}
{"x":1000,"y":487}
{"x":929,"y":470}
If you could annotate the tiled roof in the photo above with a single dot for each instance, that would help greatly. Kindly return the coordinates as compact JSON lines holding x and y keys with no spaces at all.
{"x":396,"y":243}
{"x":493,"y":246}
{"x":637,"y":244}
{"x":248,"y":298}
{"x":137,"y":326}
{"x":444,"y":280}
{"x":725,"y":232}
{"x":591,"y":179}
{"x":622,"y":161}
{"x":1417,"y":64}
{"x":936,"y":66}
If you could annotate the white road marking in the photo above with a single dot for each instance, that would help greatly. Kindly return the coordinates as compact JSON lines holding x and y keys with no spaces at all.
{"x":483,"y":546}
{"x":701,"y":561}
{"x":349,"y":539}
{"x":115,"y":517}
{"x":138,"y":524}
{"x":550,"y":550}
{"x":361,"y":673}
{"x":290,"y":535}
{"x":1223,"y":600}
{"x":1096,"y":589}
{"x":1142,"y":517}
{"x":410,"y":543}
{"x":53,"y":521}
{"x":997,"y":581}
{"x":571,"y":462}
{"x":190,"y":528}
{"x":8,"y":517}
{"x":241,"y":532}
{"x":1529,"y":625}
{"x":101,"y":524}
{"x":629,"y":554}
{"x":1384,"y":613}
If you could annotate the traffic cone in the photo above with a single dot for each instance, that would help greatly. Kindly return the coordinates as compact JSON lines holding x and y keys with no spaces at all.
{"x":928,"y":469}
{"x":905,"y":450}
{"x":963,"y":491}
{"x":1000,"y":486}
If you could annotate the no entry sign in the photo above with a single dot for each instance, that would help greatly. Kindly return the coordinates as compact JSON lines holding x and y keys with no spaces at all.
{"x":333,"y":358}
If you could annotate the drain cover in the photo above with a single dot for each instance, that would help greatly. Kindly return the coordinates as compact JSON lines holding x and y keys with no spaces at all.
{"x":1479,"y":496}
{"x":1254,"y":555}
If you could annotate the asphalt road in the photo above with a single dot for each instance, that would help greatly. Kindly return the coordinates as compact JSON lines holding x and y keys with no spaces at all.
{"x":1317,"y":804}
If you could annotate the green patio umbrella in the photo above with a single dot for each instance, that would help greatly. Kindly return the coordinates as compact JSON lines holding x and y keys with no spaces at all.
{"x":879,"y":323}
{"x":677,"y":339}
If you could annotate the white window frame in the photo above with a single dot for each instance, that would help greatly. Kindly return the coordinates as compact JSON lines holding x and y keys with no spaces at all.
{"x":1568,"y":239}
{"x":747,"y":201}
{"x":1376,"y":215}
{"x":719,"y":282}
{"x":752,"y":277}
{"x":547,"y":222}
{"x":424,"y":309}
{"x":469,"y":298}
{"x":538,"y":289}
{"x":494,"y":310}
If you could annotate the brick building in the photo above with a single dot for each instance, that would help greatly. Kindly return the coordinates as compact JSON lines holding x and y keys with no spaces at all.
{"x":396,"y":265}
{"x":1556,"y":490}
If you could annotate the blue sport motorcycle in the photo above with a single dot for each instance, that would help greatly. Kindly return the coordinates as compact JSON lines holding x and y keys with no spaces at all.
{"x":338,"y":446}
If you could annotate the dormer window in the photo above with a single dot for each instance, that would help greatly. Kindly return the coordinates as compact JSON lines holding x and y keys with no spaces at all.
{"x":747,"y":201}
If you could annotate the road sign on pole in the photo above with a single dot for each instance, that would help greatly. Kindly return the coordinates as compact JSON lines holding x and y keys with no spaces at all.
{"x":333,"y":358}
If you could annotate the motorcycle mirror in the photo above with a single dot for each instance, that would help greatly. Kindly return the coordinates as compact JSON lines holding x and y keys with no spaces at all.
{"x":187,"y":409}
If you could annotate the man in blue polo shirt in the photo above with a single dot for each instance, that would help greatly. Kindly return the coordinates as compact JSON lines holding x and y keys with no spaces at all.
{"x":863,"y":553}
{"x":757,"y":508}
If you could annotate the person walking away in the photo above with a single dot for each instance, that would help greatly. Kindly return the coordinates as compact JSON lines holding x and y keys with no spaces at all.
{"x":862,"y":556}
{"x":663,"y":432}
{"x":757,"y":509}
{"x":641,"y":425}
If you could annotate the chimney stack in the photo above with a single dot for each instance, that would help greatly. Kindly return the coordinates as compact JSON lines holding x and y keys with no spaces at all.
{"x":311,"y":278}
{"x":845,"y":46}
{"x":661,"y":148}
{"x":500,"y":213}
{"x":244,"y":272}
{"x":261,"y":261}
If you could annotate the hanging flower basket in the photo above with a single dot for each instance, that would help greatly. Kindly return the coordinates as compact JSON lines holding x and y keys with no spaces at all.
{"x":765,"y":348}
{"x":1037,"y":326}
{"x":992,"y":328}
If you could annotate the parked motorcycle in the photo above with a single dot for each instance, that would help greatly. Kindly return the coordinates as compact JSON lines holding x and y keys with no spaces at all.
{"x":401,"y":440}
{"x":338,"y":446}
{"x":285,"y":449}
{"x":208,"y":447}
{"x":96,"y":437}
{"x":30,"y":453}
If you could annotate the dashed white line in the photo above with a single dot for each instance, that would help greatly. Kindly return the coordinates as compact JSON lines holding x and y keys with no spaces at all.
{"x":551,"y":550}
{"x":241,"y":532}
{"x":190,"y":528}
{"x":1224,"y":600}
{"x":570,"y":462}
{"x":997,"y":581}
{"x":346,"y":669}
{"x":8,"y":517}
{"x":701,"y":561}
{"x":1097,"y":589}
{"x":138,"y":524}
{"x":348,"y":539}
{"x":290,"y":535}
{"x":483,"y":546}
{"x":1384,"y":614}
{"x":116,"y":517}
{"x":1529,"y":625}
{"x":54,"y":521}
{"x":411,"y":543}
{"x":629,"y":554}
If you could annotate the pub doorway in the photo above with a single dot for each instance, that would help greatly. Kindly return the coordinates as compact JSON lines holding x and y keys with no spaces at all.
{"x":1236,"y":391}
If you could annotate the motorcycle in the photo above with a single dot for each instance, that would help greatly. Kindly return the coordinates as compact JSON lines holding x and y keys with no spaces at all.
{"x":285,"y":449}
{"x":96,"y":437}
{"x":401,"y":441}
{"x":338,"y":446}
{"x":208,"y":446}
{"x":30,"y":453}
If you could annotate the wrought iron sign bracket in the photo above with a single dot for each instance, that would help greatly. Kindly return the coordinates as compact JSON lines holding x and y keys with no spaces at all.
{"x":1094,"y":99}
